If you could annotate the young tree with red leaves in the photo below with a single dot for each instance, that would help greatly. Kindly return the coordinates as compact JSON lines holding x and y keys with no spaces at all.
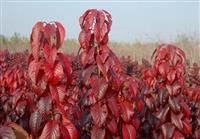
{"x":50,"y":71}
{"x":108,"y":96}
{"x":167,"y":112}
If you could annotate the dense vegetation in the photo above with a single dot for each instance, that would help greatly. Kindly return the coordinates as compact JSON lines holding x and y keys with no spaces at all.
{"x":49,"y":95}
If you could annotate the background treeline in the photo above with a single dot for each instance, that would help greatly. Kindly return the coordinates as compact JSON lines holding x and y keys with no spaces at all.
{"x":136,"y":49}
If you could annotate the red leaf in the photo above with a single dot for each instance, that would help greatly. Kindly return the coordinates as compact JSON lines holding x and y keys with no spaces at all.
{"x":87,"y":74}
{"x":105,"y":40}
{"x":51,"y":130}
{"x":140,"y":105}
{"x":61,"y":89}
{"x":136,"y":121}
{"x":171,"y":76}
{"x":50,"y":55}
{"x":133,"y":88}
{"x":126,"y":109}
{"x":99,"y":114}
{"x":36,"y":37}
{"x":108,"y":19}
{"x":174,"y":104}
{"x":162,"y":115}
{"x":61,"y":31}
{"x":161,"y":52}
{"x":7,"y":133}
{"x":181,"y":54}
{"x":97,"y":133}
{"x":163,"y":69}
{"x":97,"y":31}
{"x":187,"y":129}
{"x":103,"y":31}
{"x":35,"y":51}
{"x":84,"y":39}
{"x":53,"y":55}
{"x":58,"y":74}
{"x":67,"y":67}
{"x":45,"y":105}
{"x":84,"y":58}
{"x":176,"y":88}
{"x":64,"y":131}
{"x":48,"y":70}
{"x":87,"y":19}
{"x":82,"y":18}
{"x":169,"y":89}
{"x":101,"y":67}
{"x":88,"y":98}
{"x":100,"y":87}
{"x":21,"y":107}
{"x":128,"y":131}
{"x":70,"y":128}
{"x":50,"y":34}
{"x":186,"y":109}
{"x":113,"y":106}
{"x":172,"y":90}
{"x":54,"y":93}
{"x":46,"y":51}
{"x":35,"y":123}
{"x":72,"y":131}
{"x":35,"y":30}
{"x":91,"y":55}
{"x":116,"y":83}
{"x":33,"y":70}
{"x":104,"y":55}
{"x":17,"y":95}
{"x":112,"y":126}
{"x":178,"y":135}
{"x":176,"y":120}
{"x":167,"y":130}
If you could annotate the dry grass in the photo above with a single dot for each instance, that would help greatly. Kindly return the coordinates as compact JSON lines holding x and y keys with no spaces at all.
{"x":137,"y":50}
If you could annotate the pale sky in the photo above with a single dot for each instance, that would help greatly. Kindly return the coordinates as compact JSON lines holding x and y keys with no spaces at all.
{"x":144,"y":20}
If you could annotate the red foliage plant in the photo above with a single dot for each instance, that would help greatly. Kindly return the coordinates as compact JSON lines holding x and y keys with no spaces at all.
{"x":14,"y":88}
{"x":192,"y":93}
{"x":107,"y":95}
{"x":168,"y":113}
{"x":36,"y":98}
{"x":50,"y":71}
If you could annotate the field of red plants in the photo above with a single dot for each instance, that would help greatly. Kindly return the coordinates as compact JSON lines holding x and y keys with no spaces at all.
{"x":46,"y":94}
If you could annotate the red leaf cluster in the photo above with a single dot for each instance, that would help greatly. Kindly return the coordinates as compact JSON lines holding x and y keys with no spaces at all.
{"x":165,"y":95}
